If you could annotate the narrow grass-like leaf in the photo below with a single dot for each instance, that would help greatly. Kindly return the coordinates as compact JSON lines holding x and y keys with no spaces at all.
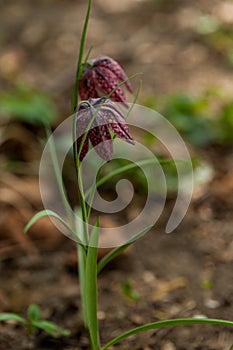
{"x":167,"y":323}
{"x":8,"y":316}
{"x":91,"y":286}
{"x":115,"y":252}
{"x":58,"y":173}
{"x":87,"y":56}
{"x":122,"y":83}
{"x":51,"y":328}
{"x":44,"y":213}
{"x":134,"y":100}
{"x":127,"y":167}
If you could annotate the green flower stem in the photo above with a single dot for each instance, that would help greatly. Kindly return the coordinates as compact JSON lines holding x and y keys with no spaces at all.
{"x":80,"y":184}
{"x":88,"y":280}
{"x":91,"y":287}
{"x":74,"y":106}
{"x":167,"y":323}
{"x":85,"y":211}
{"x":82,"y":258}
{"x":80,"y":58}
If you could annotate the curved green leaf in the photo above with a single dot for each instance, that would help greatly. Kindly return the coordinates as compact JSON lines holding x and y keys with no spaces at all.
{"x":44,"y":213}
{"x":51,"y":328}
{"x":115,"y":252}
{"x":167,"y":323}
{"x":8,"y":316}
{"x":124,"y":168}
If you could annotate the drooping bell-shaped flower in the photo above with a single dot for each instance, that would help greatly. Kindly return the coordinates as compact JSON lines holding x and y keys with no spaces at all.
{"x":95,"y":119}
{"x":100,"y":77}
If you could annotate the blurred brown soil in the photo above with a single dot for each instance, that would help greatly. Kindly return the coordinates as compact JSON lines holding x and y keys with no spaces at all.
{"x":185,"y":274}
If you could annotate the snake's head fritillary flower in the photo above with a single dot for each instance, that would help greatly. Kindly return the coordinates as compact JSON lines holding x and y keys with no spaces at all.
{"x":100,"y":77}
{"x":95,"y":119}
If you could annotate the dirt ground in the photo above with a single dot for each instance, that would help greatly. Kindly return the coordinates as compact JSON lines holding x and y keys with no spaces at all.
{"x":184,"y":274}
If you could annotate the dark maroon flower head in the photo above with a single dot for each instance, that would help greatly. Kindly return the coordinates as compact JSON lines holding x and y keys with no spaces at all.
{"x":98,"y":116}
{"x":100,"y":77}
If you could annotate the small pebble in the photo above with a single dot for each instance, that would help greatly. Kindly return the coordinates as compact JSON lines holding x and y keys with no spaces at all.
{"x":137,"y":319}
{"x":211,"y":303}
{"x":149,"y":277}
{"x":101,"y":315}
{"x":168,"y":346}
{"x":200,"y":316}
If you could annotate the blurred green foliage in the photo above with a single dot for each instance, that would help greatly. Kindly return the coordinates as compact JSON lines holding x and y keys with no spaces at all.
{"x":28,"y":105}
{"x":207,"y":24}
{"x":225,"y":133}
{"x":188,"y":114}
{"x":197,"y":118}
{"x":202,"y":121}
{"x":217,"y":36}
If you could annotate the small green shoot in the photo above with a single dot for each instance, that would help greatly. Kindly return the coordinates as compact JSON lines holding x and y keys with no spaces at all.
{"x":128,"y":290}
{"x":34,"y":312}
{"x":207,"y":284}
{"x":34,"y":322}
